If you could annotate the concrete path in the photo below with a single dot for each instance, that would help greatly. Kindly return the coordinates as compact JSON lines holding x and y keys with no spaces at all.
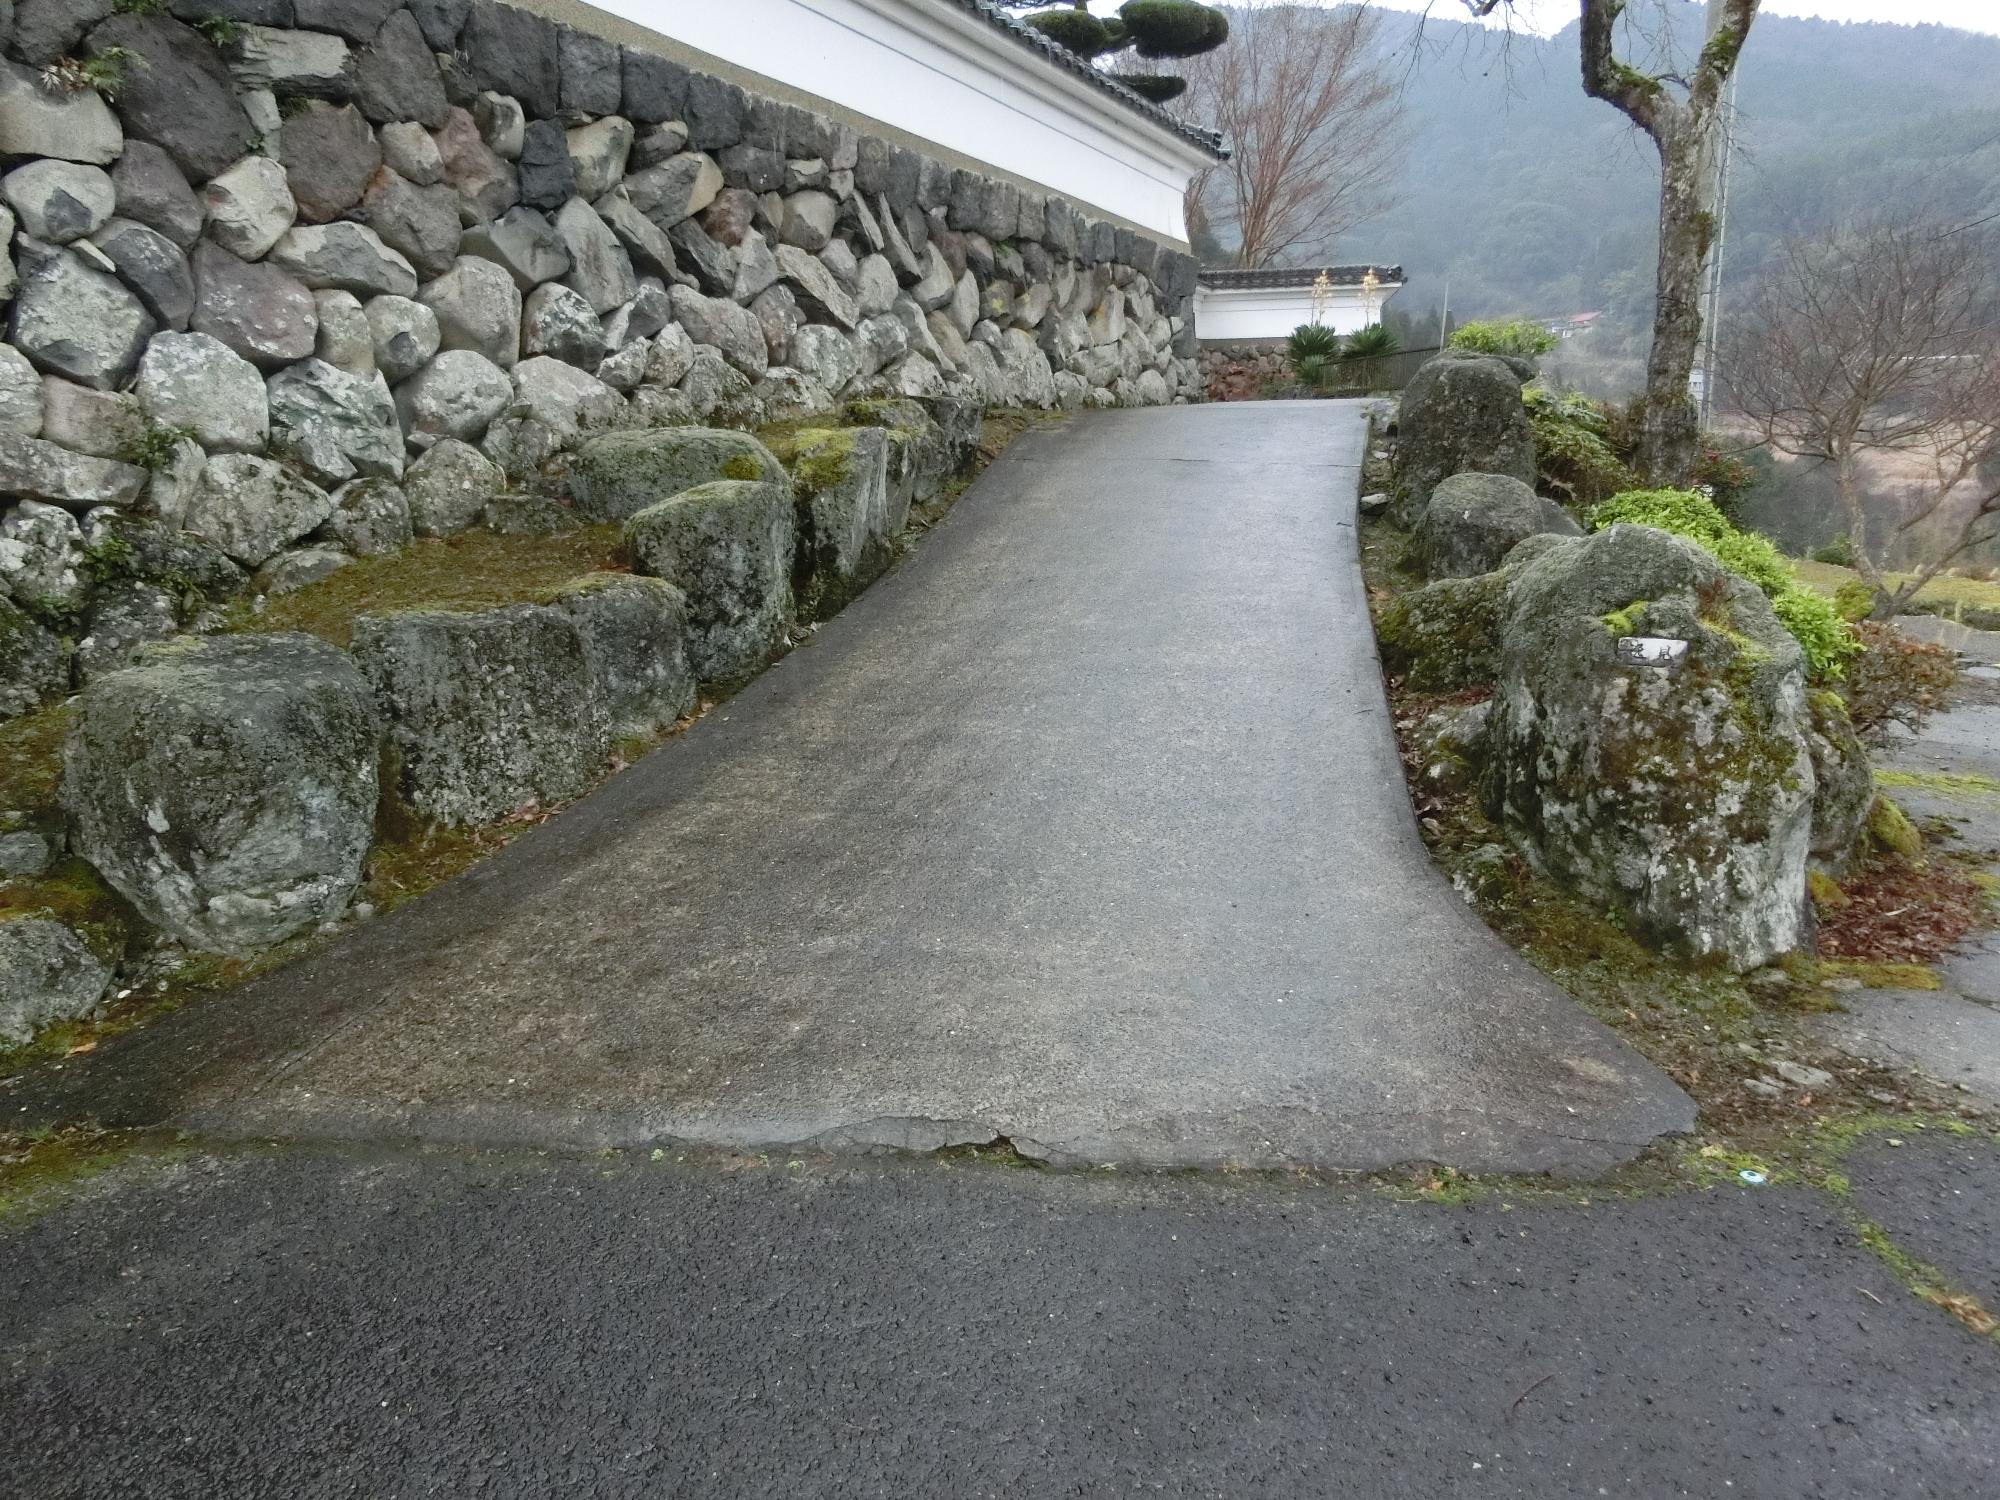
{"x":319,"y":1323}
{"x":1083,"y":829}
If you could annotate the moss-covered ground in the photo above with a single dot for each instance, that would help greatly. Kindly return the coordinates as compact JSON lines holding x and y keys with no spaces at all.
{"x":473,"y":570}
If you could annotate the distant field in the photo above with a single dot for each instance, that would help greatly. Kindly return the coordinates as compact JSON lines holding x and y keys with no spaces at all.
{"x":1941,"y":596}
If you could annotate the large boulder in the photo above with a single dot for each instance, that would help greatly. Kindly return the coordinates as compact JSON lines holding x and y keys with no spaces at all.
{"x":1459,"y":412}
{"x":47,"y":973}
{"x":1680,"y":793}
{"x":489,"y":711}
{"x":728,"y":546}
{"x":1475,"y":520}
{"x":196,"y":383}
{"x":634,"y":635}
{"x":226,"y":786}
{"x":1843,"y":783}
{"x":840,"y":479}
{"x":619,"y":474}
{"x":39,"y":121}
{"x":449,"y":486}
{"x":254,"y":308}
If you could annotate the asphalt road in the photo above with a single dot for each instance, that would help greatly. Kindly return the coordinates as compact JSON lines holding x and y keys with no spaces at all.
{"x":1083,"y":829}
{"x":336,"y":1322}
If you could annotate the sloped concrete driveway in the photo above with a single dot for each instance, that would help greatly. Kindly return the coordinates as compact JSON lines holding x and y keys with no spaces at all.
{"x":1083,"y":829}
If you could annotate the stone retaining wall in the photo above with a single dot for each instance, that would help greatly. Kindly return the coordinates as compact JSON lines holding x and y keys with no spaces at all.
{"x":265,"y":255}
{"x":291,"y":282}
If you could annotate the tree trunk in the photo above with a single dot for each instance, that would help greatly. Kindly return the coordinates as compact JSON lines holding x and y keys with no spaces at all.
{"x":1669,"y":439}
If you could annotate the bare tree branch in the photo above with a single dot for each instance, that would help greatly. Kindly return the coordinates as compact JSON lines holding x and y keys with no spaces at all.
{"x":1883,"y":340}
{"x":1304,"y":99}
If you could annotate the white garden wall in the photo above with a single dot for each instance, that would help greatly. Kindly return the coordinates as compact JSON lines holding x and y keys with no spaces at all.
{"x":947,"y":75}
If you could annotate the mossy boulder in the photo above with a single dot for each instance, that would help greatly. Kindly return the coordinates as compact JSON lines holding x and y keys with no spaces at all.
{"x":226,"y":786}
{"x":1460,"y":412}
{"x":1474,"y":520}
{"x":840,"y":486}
{"x":1891,"y":829}
{"x":34,"y":662}
{"x":1445,"y":636}
{"x":47,"y":973}
{"x":729,"y":547}
{"x":488,"y":711}
{"x":924,"y":454}
{"x":1843,"y":782}
{"x":615,"y":476}
{"x":635,"y":640}
{"x":1677,"y":795}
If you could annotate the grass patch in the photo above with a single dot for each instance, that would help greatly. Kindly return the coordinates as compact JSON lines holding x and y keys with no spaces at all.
{"x":1881,"y":976}
{"x":38,"y":1167}
{"x":474,"y":570}
{"x":1965,"y":785}
{"x":1939,"y":596}
{"x":404,"y":867}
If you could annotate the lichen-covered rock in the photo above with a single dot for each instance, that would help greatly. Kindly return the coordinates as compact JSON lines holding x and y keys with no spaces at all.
{"x":344,"y":256}
{"x":728,"y":546}
{"x":251,"y":507}
{"x":840,"y":482}
{"x":599,"y":268}
{"x":74,"y":320}
{"x":41,"y":557}
{"x":249,"y":207}
{"x":29,"y":466}
{"x":103,"y":424}
{"x":1445,"y":636}
{"x":634,"y":633}
{"x":619,"y":474}
{"x":370,"y":517}
{"x":226,"y":786}
{"x":1475,"y":520}
{"x":59,"y":201}
{"x":568,"y":401}
{"x":334,"y":425}
{"x":449,"y":486}
{"x":1459,"y":412}
{"x":20,"y":394}
{"x":195,"y":382}
{"x":345,"y":340}
{"x":488,"y":712}
{"x":125,"y":617}
{"x":152,"y":551}
{"x":47,"y":973}
{"x":1679,"y":795}
{"x":478,"y":307}
{"x":34,"y":662}
{"x":289,"y":572}
{"x":1843,"y":783}
{"x":396,"y":76}
{"x":524,"y":243}
{"x":406,"y":335}
{"x":458,"y":394}
{"x":558,"y":321}
{"x":303,"y":64}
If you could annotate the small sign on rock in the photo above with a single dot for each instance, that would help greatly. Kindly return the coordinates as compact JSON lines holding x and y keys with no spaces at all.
{"x":1650,"y":651}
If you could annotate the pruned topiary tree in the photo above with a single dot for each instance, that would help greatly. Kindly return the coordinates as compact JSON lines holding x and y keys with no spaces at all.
{"x":1155,"y":30}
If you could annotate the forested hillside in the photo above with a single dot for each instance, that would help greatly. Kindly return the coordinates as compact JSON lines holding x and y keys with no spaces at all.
{"x":1531,"y":198}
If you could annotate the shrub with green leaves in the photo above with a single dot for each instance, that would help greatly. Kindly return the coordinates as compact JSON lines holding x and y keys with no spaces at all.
{"x":1573,"y":453}
{"x":1516,"y":336}
{"x":1839,"y":552}
{"x":1827,"y":640}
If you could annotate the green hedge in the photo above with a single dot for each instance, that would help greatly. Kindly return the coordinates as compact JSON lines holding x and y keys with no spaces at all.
{"x":1827,"y":640}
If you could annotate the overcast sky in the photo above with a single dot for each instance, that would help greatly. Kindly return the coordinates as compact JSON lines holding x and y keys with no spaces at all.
{"x":1552,"y":15}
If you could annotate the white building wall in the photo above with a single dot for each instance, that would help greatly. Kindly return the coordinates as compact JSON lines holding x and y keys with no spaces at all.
{"x":934,"y":70}
{"x":1264,"y":314}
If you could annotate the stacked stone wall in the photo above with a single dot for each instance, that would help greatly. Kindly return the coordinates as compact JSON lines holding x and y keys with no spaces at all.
{"x":266,"y":256}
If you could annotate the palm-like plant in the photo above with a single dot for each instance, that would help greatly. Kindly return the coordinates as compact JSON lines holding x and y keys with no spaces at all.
{"x":1370,"y":343}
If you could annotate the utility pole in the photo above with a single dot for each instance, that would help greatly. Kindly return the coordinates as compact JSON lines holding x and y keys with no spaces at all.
{"x":1711,"y":295}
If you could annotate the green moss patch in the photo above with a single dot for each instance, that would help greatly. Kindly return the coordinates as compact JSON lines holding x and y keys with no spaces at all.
{"x":31,"y":759}
{"x":473,"y":570}
{"x":1963,"y":785}
{"x":1890,"y":829}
